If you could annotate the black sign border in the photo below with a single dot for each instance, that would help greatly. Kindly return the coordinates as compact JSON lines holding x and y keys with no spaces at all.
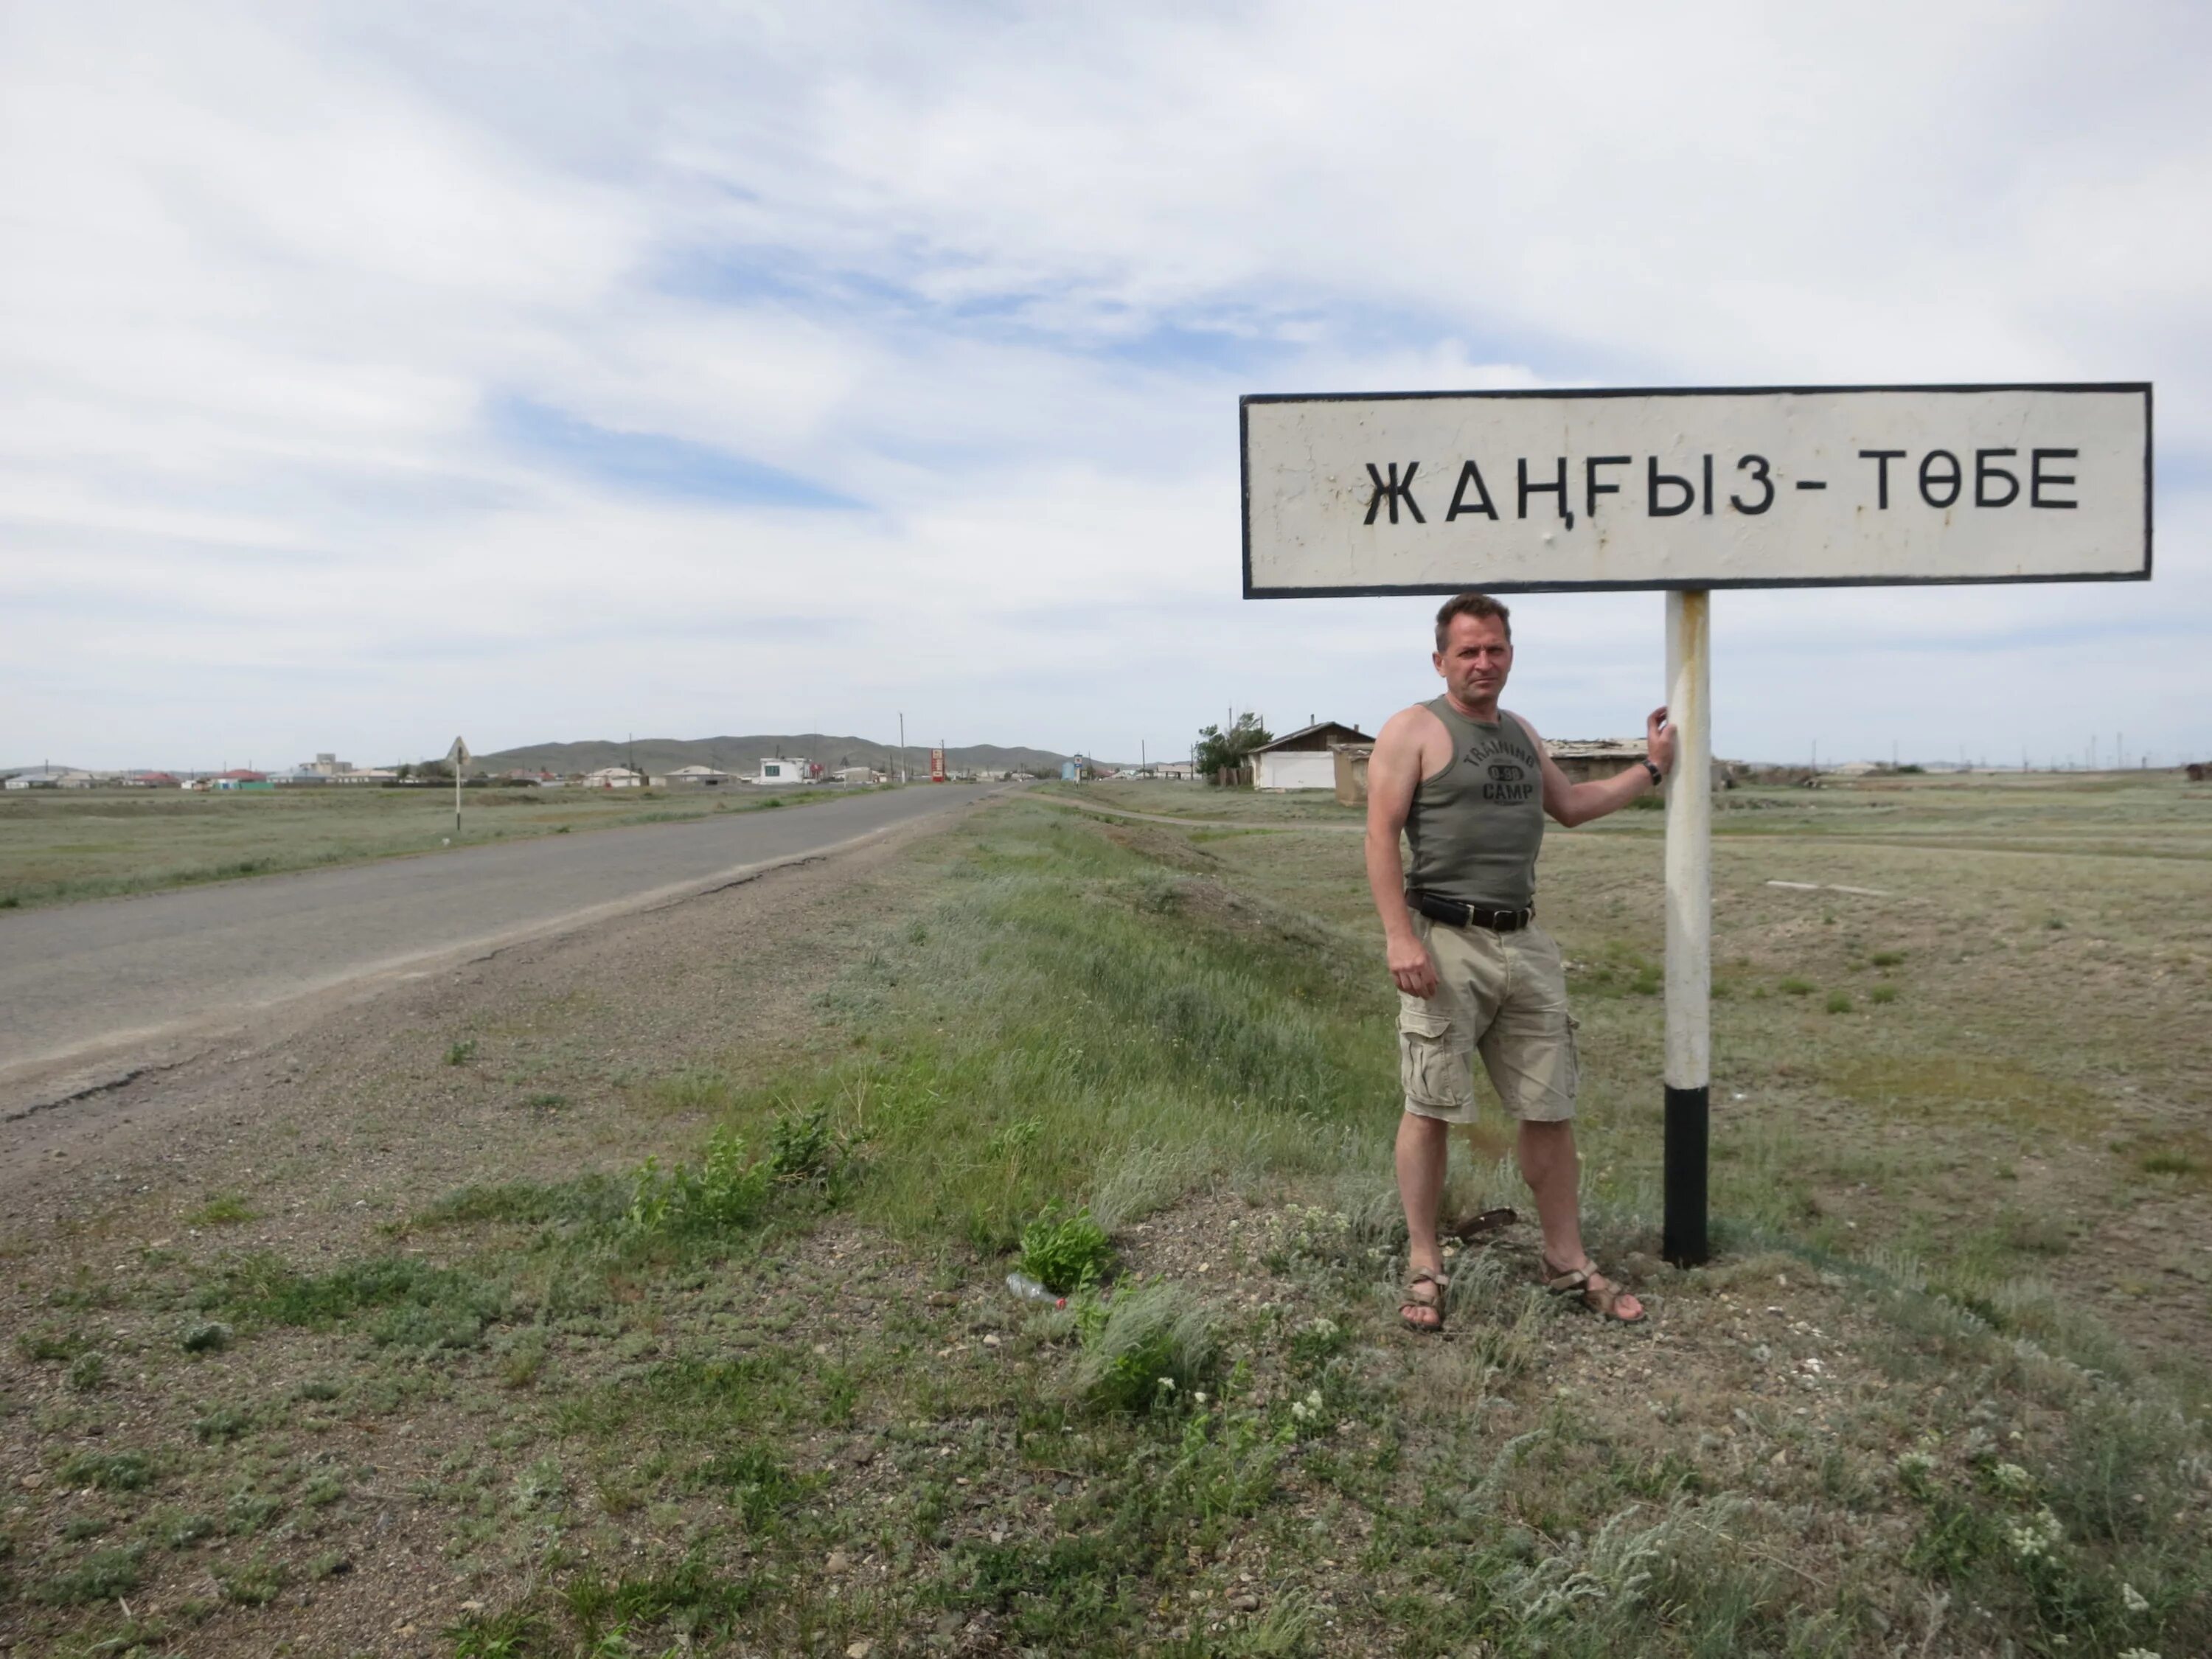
{"x":1244,"y":468}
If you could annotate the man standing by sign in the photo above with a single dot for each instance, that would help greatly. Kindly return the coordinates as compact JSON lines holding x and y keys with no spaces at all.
{"x":1469,"y":785}
{"x":1684,"y":489}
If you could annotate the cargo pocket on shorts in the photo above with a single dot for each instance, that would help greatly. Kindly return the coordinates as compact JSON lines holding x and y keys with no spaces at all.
{"x":1430,"y":1072}
{"x":1574,"y":1057}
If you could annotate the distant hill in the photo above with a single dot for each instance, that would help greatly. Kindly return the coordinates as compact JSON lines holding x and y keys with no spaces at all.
{"x":745,"y":754}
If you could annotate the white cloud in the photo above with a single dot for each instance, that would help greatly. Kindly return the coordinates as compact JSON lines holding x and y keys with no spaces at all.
{"x":999,"y":274}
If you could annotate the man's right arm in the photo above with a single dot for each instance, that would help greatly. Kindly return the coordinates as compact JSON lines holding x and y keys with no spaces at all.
{"x":1394,"y":772}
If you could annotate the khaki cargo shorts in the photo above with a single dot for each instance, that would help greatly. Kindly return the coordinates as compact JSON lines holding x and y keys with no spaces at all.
{"x":1502,"y":995}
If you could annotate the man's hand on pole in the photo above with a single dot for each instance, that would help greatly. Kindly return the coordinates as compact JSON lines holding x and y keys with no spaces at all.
{"x":1659,"y":740}
{"x":1411,"y":968}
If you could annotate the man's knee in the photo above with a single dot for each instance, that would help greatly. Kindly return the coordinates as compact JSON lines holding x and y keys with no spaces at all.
{"x":1545,"y":1142}
{"x":1419,"y":1127}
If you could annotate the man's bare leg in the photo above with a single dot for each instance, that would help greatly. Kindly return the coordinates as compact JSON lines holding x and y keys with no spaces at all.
{"x":1424,"y":1144}
{"x":1549,"y":1165}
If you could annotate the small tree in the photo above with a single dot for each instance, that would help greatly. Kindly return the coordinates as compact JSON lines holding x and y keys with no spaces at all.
{"x":1218,"y":748}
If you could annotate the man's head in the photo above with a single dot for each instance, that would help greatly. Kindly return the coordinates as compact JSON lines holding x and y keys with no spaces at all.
{"x":1474,"y":648}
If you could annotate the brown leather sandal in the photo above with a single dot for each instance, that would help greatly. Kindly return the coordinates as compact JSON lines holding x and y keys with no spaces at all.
{"x":1415,"y":1280}
{"x":1601,"y":1299}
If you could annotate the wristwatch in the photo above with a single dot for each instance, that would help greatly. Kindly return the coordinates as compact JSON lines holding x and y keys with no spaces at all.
{"x":1657,"y":776}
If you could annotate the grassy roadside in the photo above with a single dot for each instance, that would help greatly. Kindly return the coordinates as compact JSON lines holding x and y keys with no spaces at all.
{"x":769,"y":1395}
{"x":2150,"y":814}
{"x":57,"y":847}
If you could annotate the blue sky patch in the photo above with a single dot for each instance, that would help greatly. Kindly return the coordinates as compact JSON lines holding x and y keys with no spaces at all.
{"x":652,"y":463}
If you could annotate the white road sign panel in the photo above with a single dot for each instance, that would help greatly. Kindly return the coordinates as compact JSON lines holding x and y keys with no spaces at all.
{"x":1756,"y":487}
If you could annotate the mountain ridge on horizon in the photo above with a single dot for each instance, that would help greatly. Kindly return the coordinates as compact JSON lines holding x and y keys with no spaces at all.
{"x":744,"y":754}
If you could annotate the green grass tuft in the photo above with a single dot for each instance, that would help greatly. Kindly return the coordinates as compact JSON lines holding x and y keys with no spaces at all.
{"x":87,"y":1372}
{"x":1066,"y":1253}
{"x":127,"y":1471}
{"x":415,"y":1305}
{"x":102,"y":1576}
{"x":723,"y":1192}
{"x":1148,"y":1346}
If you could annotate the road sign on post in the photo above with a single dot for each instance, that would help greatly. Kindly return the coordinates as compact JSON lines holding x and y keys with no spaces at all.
{"x":457,"y":757}
{"x":1686,"y":490}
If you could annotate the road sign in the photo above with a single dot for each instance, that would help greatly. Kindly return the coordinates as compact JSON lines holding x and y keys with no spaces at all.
{"x":1688,"y":490}
{"x":1757,"y":486}
{"x":458,"y":757}
{"x":937,"y":766}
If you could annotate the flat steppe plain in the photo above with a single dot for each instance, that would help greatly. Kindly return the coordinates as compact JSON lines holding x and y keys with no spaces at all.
{"x":91,"y":991}
{"x":57,"y":846}
{"x":641,"y":1290}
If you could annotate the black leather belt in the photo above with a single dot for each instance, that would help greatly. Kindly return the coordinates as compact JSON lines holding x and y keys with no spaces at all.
{"x":1438,"y":908}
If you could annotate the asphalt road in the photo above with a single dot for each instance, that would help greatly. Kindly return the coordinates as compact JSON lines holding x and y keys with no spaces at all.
{"x":83,"y":980}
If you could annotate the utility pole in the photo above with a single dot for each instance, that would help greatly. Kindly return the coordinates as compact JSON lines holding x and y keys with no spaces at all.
{"x":902,"y":765}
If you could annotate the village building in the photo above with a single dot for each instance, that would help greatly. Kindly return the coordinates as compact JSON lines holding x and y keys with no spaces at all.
{"x":1592,"y":759}
{"x":613,"y":777}
{"x":780,"y":770}
{"x":49,"y":777}
{"x":691,"y":777}
{"x":1305,"y":758}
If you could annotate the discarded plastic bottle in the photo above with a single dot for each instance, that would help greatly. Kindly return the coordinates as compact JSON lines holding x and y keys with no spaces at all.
{"x":1029,"y":1291}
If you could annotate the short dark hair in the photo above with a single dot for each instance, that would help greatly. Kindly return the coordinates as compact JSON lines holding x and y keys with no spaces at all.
{"x":1471,"y":605}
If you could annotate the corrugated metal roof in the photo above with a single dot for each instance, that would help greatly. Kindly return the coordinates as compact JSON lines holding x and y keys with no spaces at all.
{"x":1291,"y":739}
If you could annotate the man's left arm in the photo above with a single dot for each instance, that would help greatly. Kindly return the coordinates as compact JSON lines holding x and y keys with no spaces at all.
{"x":1571,"y":804}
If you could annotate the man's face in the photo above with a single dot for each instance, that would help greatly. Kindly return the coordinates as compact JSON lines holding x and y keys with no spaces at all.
{"x":1475,"y":660}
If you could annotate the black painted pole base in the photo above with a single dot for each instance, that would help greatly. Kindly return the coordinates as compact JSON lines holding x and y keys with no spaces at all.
{"x":1682,"y":1238}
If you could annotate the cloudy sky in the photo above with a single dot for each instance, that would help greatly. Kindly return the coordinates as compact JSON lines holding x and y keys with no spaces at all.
{"x":378,"y":371}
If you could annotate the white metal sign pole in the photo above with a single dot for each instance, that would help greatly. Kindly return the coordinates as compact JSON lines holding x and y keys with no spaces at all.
{"x":1689,"y":925}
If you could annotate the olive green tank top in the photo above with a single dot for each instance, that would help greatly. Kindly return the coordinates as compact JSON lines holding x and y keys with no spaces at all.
{"x":1475,"y":827}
